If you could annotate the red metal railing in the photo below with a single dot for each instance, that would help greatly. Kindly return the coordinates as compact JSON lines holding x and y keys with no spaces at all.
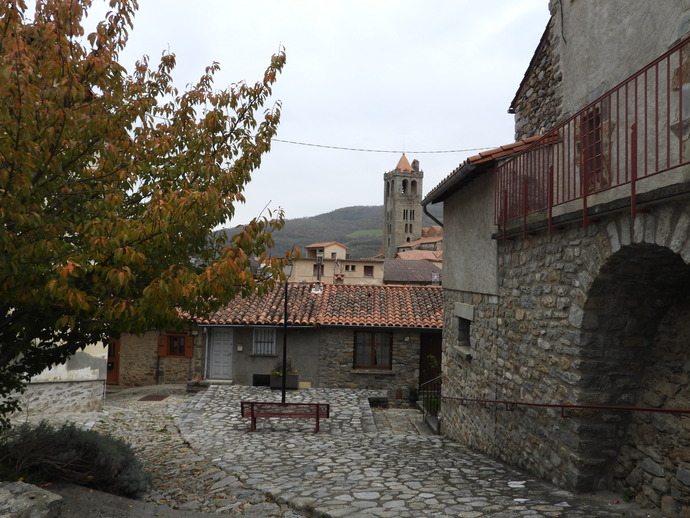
{"x":638,"y":129}
{"x":511,"y":405}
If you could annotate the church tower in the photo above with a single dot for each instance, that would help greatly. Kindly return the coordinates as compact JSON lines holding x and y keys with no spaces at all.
{"x":402,"y":206}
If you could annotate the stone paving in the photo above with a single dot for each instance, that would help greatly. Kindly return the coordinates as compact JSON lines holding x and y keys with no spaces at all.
{"x":352,"y":469}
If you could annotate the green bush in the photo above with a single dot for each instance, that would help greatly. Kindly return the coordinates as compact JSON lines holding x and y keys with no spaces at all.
{"x":43,"y":453}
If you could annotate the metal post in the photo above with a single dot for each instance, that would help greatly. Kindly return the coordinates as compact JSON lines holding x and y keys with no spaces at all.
{"x":285,"y":319}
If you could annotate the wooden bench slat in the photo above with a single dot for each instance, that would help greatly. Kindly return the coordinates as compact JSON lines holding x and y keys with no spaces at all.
{"x":254,"y":409}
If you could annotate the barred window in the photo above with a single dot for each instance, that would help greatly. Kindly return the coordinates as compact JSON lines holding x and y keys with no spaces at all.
{"x":264,"y":341}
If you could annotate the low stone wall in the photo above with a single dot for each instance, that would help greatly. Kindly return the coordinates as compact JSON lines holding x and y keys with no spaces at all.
{"x":64,"y":396}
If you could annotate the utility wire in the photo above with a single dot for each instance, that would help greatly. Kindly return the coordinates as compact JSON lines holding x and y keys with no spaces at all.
{"x":377,"y":150}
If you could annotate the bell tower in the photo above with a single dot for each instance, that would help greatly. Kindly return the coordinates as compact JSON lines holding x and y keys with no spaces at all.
{"x":402,"y":206}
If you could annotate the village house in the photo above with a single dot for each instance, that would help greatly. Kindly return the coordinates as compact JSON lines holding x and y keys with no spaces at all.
{"x":566,"y":277}
{"x":330,"y":263}
{"x":338,"y":336}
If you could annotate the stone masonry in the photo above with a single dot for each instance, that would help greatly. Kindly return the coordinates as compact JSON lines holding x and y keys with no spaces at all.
{"x":594,"y":315}
{"x":335,"y":365}
{"x":538,"y":104}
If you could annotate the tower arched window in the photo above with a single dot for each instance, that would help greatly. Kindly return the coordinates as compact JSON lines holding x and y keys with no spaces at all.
{"x":403,"y":190}
{"x":413,"y":187}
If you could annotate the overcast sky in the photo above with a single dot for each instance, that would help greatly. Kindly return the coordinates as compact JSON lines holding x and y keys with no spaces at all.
{"x":386,"y":75}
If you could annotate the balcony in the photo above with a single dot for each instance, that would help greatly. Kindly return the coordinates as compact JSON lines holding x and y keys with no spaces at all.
{"x":625,"y":148}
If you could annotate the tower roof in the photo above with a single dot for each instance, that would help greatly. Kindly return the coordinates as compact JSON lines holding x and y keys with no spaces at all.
{"x":404,"y":164}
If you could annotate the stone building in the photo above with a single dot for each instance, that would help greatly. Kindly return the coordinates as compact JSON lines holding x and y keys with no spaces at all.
{"x":153,"y":358}
{"x":76,"y":385}
{"x":329,"y":262}
{"x":402,"y":206}
{"x":338,"y":335}
{"x":566,"y":277}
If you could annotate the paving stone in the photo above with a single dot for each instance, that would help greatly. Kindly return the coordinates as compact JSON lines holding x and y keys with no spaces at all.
{"x":360,"y":464}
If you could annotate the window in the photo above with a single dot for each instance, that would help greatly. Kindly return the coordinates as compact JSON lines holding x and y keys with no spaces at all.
{"x":368,"y":271}
{"x":176,"y":344}
{"x":334,"y":255}
{"x":373,"y":350}
{"x":318,"y":269}
{"x":592,"y":151}
{"x":353,"y":267}
{"x":264,"y":341}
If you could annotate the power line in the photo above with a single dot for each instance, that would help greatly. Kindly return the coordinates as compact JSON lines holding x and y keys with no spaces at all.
{"x":377,"y":150}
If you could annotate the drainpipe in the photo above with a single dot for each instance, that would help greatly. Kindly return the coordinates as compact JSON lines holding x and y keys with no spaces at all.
{"x":424,"y":209}
{"x":206,"y":333}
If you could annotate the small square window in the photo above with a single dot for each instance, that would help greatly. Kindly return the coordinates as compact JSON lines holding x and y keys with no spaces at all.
{"x":373,"y":350}
{"x":176,"y":344}
{"x":368,"y":271}
{"x":264,"y":341}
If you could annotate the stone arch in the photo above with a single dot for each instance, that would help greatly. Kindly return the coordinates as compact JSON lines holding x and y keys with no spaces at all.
{"x":636,"y":311}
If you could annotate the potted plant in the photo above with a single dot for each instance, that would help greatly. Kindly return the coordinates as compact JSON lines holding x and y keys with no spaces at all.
{"x":292,"y":379}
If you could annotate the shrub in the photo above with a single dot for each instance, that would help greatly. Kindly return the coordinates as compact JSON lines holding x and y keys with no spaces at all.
{"x":43,"y":453}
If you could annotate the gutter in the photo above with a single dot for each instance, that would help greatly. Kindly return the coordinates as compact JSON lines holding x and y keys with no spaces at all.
{"x":462,"y":175}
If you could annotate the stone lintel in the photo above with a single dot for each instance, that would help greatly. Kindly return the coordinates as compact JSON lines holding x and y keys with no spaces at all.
{"x":465,"y":311}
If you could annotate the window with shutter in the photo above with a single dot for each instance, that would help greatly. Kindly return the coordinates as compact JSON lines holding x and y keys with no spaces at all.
{"x":176,"y":345}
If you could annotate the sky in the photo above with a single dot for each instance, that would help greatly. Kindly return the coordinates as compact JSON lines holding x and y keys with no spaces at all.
{"x":383,"y":75}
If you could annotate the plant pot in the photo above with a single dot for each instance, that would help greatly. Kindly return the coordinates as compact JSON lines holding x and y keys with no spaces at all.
{"x":291,"y":382}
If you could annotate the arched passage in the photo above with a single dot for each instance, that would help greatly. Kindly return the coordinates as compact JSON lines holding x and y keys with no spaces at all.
{"x":636,"y":352}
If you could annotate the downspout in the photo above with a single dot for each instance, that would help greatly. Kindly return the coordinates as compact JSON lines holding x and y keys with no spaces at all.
{"x":424,"y":209}
{"x":206,"y":333}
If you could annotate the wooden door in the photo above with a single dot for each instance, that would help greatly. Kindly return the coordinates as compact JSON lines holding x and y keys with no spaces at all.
{"x":113,"y":375}
{"x":220,"y":354}
{"x":429,"y":357}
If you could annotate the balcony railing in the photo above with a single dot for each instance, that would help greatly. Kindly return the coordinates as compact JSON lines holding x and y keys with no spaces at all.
{"x":610,"y":150}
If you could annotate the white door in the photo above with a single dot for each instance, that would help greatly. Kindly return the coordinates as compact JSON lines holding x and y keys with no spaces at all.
{"x":220,"y":355}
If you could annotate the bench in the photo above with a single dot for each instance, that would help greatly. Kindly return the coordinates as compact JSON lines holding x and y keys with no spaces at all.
{"x":254,"y":409}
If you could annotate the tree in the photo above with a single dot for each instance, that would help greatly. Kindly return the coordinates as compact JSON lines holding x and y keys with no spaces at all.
{"x":111,"y":185}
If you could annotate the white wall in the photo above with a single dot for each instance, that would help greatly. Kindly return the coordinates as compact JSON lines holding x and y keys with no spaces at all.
{"x":468,"y":246}
{"x":629,"y":33}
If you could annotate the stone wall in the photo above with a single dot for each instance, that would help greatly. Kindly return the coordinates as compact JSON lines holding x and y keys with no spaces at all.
{"x":140,"y":364}
{"x":538,"y":105}
{"x":583,"y":316}
{"x":59,"y":397}
{"x":336,"y":358}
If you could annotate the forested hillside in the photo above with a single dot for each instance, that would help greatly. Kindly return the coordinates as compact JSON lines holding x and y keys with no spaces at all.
{"x":360,"y":228}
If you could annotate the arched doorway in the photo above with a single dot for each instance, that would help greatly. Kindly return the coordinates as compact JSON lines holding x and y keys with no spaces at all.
{"x":636,"y":353}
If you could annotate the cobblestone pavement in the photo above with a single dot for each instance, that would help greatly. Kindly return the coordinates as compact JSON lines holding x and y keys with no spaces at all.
{"x":352,"y":469}
{"x":364,"y":463}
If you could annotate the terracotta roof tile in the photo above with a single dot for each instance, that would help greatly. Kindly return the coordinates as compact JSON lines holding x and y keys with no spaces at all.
{"x":403,"y":164}
{"x":338,"y":305}
{"x":322,"y":245}
{"x":421,"y":255}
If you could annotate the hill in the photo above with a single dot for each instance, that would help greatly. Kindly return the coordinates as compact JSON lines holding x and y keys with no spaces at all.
{"x":360,"y":228}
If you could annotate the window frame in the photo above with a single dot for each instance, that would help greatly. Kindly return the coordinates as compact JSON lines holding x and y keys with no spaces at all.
{"x":265,"y":347}
{"x":169,"y":345}
{"x":368,"y":339}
